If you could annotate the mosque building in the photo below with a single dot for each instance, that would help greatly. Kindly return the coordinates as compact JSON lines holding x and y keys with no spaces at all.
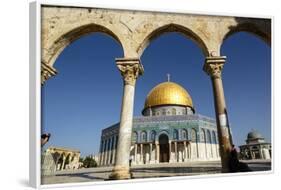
{"x":169,"y":131}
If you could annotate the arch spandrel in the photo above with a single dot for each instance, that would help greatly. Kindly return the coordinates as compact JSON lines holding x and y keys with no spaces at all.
{"x":170,"y":27}
{"x":200,"y":29}
{"x":256,"y":26}
{"x":60,"y":30}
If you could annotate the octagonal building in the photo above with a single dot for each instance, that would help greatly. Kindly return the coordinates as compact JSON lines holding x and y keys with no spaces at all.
{"x":169,"y":131}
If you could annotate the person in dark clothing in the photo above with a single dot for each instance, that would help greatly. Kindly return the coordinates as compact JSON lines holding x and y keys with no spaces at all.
{"x":233,"y":160}
{"x":45,"y":138}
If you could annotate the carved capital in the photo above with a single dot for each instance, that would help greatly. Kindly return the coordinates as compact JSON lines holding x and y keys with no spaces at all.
{"x":130,"y":69}
{"x":46,"y":72}
{"x":213,"y":66}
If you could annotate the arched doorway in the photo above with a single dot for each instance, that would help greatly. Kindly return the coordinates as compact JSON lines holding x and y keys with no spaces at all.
{"x":164,"y":148}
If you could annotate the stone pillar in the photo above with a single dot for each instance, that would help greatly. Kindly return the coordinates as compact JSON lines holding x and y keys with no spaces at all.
{"x":141,"y":153}
{"x":100,"y":155}
{"x":170,"y":151}
{"x":63,"y":162}
{"x":213,"y":67}
{"x":150,"y":153}
{"x":46,"y":72}
{"x":157,"y":152}
{"x":108,"y":151}
{"x":114,"y":149}
{"x":176,"y":151}
{"x":136,"y":153}
{"x":189,"y":150}
{"x":185,"y":151}
{"x":130,"y":70}
{"x":105,"y":152}
{"x":260,"y":151}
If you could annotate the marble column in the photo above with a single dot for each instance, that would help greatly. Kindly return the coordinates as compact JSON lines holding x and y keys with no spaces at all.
{"x":114,"y":150}
{"x":260,"y":151}
{"x":63,"y":162}
{"x":100,"y":157}
{"x":141,"y":153}
{"x":157,"y":152}
{"x":189,"y":150}
{"x":136,"y":153}
{"x":170,"y":151}
{"x":213,"y":67}
{"x":108,"y":152}
{"x":105,"y":152}
{"x":130,"y":69}
{"x":185,"y":151}
{"x":150,"y":153}
{"x":176,"y":151}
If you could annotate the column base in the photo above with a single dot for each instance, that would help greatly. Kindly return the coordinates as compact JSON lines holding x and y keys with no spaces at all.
{"x":120,"y":172}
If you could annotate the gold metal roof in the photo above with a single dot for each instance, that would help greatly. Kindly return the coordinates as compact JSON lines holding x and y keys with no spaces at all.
{"x":168,"y":93}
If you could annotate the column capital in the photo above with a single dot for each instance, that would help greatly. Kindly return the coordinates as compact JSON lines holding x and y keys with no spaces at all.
{"x":130,"y":69}
{"x":46,"y":72}
{"x":213,"y":66}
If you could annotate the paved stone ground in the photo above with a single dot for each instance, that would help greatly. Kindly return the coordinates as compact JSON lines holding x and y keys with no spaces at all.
{"x":148,"y":171}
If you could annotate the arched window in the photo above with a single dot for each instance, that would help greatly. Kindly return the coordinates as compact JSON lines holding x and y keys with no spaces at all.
{"x":193,"y":135}
{"x":209,"y":138}
{"x":184,"y":134}
{"x":163,"y":112}
{"x":152,"y":135}
{"x":143,"y":136}
{"x":176,"y":134}
{"x":174,"y":111}
{"x":214,"y":137}
{"x":202,"y":135}
{"x":135,"y":137}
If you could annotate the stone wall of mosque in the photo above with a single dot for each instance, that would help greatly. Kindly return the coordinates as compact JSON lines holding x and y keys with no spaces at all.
{"x":190,"y":138}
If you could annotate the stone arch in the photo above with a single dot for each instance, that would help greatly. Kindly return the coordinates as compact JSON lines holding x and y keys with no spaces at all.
{"x":202,"y":135}
{"x":70,"y":36}
{"x":135,"y":136}
{"x":259,"y":28}
{"x":184,"y":134}
{"x":193,"y":135}
{"x":172,"y":28}
{"x":209,"y":137}
{"x":176,"y":134}
{"x":163,"y":132}
{"x":152,"y":135}
{"x":214,"y":137}
{"x":143,"y":136}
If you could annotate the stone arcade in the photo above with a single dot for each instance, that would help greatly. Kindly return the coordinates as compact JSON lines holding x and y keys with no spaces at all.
{"x":134,"y":30}
{"x":58,"y":158}
{"x":169,"y":131}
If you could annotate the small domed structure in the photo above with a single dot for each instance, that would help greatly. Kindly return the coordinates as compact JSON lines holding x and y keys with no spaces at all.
{"x":254,"y":135}
{"x":256,"y":147}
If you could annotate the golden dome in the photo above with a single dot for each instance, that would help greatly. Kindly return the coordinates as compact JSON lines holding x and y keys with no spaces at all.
{"x":168,"y":93}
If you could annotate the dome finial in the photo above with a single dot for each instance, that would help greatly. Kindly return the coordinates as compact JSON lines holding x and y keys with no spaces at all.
{"x":168,"y":76}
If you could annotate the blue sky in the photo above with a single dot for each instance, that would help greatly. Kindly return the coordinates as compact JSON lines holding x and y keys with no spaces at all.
{"x":86,"y":95}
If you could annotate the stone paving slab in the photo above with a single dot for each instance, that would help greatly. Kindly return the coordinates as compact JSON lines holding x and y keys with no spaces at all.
{"x":148,"y":171}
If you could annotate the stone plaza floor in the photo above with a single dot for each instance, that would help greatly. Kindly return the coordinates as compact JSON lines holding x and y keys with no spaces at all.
{"x":149,"y":171}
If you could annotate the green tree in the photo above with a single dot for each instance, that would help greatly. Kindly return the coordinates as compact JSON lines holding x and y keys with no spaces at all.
{"x":89,"y":162}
